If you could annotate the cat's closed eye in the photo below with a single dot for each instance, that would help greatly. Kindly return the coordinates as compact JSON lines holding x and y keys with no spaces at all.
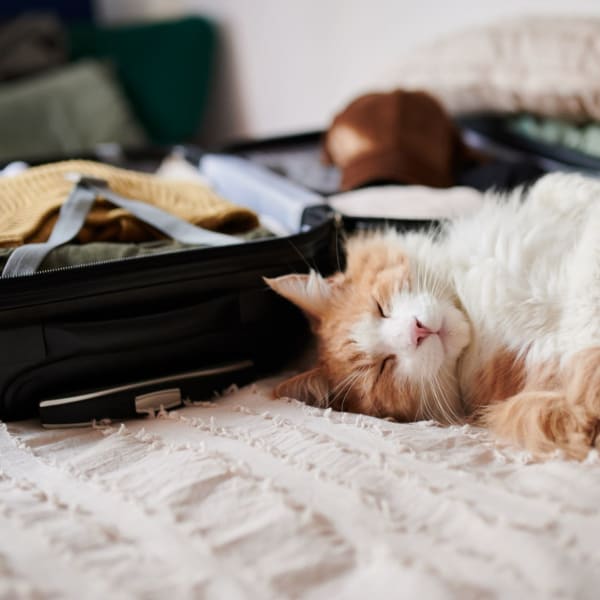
{"x":386,"y":361}
{"x":380,"y":309}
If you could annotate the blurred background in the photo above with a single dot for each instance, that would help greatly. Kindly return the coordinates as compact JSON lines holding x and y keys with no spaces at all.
{"x":211,"y":71}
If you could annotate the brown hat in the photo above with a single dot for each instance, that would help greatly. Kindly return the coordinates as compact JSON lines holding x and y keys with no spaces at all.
{"x":397,"y":136}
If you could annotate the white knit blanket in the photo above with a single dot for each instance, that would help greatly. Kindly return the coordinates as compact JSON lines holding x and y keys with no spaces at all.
{"x":248,"y":497}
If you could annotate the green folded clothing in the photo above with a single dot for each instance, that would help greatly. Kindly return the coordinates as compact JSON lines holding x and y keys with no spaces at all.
{"x":584,"y":138}
{"x":65,"y":111}
{"x":82,"y":254}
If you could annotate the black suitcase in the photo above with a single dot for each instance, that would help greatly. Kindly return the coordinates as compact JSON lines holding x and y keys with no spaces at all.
{"x":124,"y":338}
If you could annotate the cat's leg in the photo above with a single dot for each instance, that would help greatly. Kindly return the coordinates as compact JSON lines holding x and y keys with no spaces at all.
{"x":567,"y":418}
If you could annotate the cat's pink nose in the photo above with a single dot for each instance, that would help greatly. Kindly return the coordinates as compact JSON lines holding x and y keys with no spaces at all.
{"x":419,"y":332}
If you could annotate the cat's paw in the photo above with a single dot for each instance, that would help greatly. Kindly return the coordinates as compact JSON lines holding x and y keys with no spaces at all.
{"x":543,"y":423}
{"x":579,"y":439}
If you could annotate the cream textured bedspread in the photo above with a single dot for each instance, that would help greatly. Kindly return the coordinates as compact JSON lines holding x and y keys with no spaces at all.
{"x":248,"y":497}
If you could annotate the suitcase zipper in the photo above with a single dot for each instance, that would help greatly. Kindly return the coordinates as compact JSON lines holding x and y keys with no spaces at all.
{"x":111,"y":275}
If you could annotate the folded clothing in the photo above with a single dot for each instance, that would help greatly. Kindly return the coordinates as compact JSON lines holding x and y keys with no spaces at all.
{"x":66,"y":111}
{"x":84,"y":254}
{"x":30,"y":201}
{"x":581,"y":137}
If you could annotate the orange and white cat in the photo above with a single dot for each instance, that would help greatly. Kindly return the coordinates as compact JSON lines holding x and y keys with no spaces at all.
{"x":494,"y":321}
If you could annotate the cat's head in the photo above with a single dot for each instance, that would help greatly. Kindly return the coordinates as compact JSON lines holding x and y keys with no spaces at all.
{"x":390,"y":333}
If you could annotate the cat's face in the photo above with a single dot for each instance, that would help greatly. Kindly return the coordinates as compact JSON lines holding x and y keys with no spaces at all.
{"x":390,"y":334}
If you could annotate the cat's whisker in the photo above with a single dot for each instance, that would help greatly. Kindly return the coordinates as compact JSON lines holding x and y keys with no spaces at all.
{"x":345,"y":386}
{"x":345,"y":389}
{"x":442,"y":411}
{"x":437,"y":286}
{"x":349,"y":387}
{"x":424,"y":408}
{"x":433,"y":283}
{"x":448,"y":409}
{"x":422,"y":279}
{"x":443,"y":401}
{"x":439,"y":406}
{"x":337,"y":389}
{"x":303,"y":258}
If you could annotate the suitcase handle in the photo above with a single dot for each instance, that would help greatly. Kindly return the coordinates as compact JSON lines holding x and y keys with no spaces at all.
{"x":26,"y":259}
{"x":140,"y":398}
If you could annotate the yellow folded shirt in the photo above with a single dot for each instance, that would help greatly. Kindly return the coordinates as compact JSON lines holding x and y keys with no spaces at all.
{"x":30,"y":201}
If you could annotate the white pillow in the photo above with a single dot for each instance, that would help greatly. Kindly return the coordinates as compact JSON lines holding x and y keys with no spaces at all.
{"x":544,"y":65}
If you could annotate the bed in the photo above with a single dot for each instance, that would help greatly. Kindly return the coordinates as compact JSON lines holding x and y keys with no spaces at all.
{"x":244,"y":496}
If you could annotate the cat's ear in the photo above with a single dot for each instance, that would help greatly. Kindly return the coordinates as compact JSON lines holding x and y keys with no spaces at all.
{"x":310,"y":292}
{"x":311,"y":387}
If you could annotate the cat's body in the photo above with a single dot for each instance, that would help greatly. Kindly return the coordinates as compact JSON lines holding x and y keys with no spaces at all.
{"x":496,"y":320}
{"x":528,"y":277}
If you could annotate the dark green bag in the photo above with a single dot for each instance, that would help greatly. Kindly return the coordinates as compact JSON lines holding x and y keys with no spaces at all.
{"x":165,"y":69}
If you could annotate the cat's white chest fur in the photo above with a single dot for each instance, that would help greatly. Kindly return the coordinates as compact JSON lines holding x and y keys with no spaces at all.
{"x":528,"y":274}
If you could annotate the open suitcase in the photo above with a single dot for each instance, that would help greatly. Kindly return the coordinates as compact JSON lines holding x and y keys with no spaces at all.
{"x":124,"y":338}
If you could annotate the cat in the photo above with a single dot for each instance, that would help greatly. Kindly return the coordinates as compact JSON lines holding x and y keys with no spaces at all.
{"x":494,"y":320}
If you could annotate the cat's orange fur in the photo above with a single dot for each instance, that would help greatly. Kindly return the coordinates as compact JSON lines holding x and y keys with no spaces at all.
{"x":553,"y":408}
{"x":501,"y":377}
